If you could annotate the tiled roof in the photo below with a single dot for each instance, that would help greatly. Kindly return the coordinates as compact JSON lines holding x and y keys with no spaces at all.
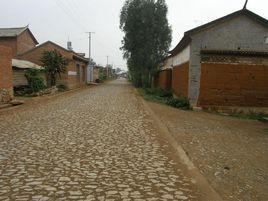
{"x":25,"y":64}
{"x":11,"y":32}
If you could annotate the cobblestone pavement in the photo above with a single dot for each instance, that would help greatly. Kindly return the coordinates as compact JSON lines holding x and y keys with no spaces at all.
{"x":95,"y":144}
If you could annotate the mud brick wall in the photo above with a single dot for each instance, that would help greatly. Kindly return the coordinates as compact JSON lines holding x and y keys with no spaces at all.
{"x":180,"y":79}
{"x":233,"y":85}
{"x":6,"y":79}
{"x":155,"y":80}
{"x":164,"y":79}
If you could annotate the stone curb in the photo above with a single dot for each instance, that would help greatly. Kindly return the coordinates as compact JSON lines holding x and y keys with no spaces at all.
{"x":207,"y":191}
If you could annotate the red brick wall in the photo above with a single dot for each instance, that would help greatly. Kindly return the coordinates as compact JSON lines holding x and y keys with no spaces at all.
{"x":25,"y":42}
{"x":233,"y":85}
{"x":6,"y":79}
{"x":22,"y":43}
{"x":10,"y":42}
{"x":164,"y":79}
{"x":180,"y":78}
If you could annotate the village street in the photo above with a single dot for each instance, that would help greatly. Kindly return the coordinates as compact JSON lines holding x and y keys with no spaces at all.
{"x":95,"y":144}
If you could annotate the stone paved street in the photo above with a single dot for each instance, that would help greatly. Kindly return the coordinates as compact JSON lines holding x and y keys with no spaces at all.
{"x":94,"y":144}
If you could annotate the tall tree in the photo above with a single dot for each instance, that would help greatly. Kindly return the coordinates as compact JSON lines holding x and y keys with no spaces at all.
{"x":147,"y":38}
{"x":55,"y":64}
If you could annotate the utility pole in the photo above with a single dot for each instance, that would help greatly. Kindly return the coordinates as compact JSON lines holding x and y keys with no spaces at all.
{"x":90,"y":67}
{"x":107,"y":70}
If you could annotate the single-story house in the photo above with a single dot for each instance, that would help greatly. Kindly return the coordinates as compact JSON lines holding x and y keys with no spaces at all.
{"x":24,"y":47}
{"x":224,"y":62}
{"x":76,"y":73}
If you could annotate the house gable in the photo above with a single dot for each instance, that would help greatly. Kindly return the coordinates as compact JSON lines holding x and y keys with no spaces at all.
{"x":25,"y":41}
{"x":34,"y":55}
{"x":255,"y":19}
{"x":19,"y":39}
{"x":239,"y":33}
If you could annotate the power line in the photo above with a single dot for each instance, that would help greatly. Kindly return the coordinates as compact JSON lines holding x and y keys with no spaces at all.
{"x":74,"y":5}
{"x":65,"y":9}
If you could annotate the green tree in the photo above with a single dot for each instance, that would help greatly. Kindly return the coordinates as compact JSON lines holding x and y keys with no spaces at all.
{"x":55,"y":64}
{"x":35,"y":81}
{"x":147,"y":38}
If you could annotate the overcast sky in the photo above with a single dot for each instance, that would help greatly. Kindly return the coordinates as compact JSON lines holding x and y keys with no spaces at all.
{"x":56,"y":20}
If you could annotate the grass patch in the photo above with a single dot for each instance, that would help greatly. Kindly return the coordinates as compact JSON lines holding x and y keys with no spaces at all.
{"x":251,"y":115}
{"x":165,"y":97}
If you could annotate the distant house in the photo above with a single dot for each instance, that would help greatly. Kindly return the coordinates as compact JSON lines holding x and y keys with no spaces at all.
{"x":19,"y":39}
{"x":75,"y":75}
{"x":224,"y":62}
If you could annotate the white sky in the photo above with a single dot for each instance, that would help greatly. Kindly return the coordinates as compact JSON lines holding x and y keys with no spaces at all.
{"x":56,"y":20}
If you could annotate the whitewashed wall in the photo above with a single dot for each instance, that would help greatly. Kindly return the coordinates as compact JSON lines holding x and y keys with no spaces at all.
{"x":182,"y":57}
{"x":168,"y":63}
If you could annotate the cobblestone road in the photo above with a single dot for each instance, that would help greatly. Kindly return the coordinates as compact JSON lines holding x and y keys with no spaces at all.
{"x":95,"y":144}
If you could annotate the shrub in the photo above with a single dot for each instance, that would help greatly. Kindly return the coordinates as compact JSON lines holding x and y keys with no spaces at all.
{"x":62,"y":87}
{"x":158,"y":92}
{"x":35,"y":82}
{"x":24,"y":90}
{"x":180,"y":102}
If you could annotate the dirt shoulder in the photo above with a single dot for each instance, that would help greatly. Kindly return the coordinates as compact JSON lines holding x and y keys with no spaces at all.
{"x":230,"y":152}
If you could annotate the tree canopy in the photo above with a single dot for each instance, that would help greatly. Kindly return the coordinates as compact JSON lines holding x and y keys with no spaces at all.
{"x":147,"y":38}
{"x":55,"y":64}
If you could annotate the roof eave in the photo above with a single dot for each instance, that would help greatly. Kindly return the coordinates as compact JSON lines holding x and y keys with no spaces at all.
{"x":184,"y":42}
{"x":75,"y":56}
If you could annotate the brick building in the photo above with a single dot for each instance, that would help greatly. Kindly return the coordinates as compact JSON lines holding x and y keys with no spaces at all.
{"x":75,"y":75}
{"x":18,"y":39}
{"x":23,"y":46}
{"x":224,"y":62}
{"x":6,"y":78}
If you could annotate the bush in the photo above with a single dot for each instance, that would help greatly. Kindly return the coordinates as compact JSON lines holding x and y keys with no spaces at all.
{"x":166,"y":97}
{"x":24,"y":90}
{"x":158,"y":92}
{"x":180,"y":102}
{"x":62,"y":88}
{"x":35,"y":82}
